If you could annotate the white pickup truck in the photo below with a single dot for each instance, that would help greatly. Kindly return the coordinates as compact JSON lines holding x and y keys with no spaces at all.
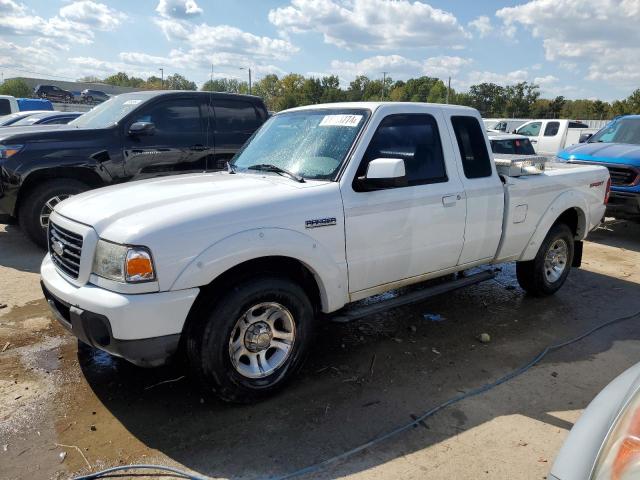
{"x":326,"y":205}
{"x":548,"y":137}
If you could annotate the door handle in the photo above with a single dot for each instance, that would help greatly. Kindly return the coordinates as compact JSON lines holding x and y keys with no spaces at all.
{"x":533,"y":141}
{"x":197,"y":148}
{"x":450,"y":200}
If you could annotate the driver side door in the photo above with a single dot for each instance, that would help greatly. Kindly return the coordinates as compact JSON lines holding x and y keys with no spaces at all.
{"x":401,"y":232}
{"x":178,"y":144}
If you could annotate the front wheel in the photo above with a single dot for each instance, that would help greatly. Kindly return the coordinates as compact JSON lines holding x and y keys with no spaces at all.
{"x":249,"y":342}
{"x":39,"y":203}
{"x":547,"y":272}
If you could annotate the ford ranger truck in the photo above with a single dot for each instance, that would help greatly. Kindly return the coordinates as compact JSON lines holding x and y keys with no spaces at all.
{"x":325,"y":206}
{"x":617,"y":147}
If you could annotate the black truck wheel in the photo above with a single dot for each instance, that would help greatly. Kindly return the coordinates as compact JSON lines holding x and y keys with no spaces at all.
{"x":247,"y":343}
{"x":545,"y":274}
{"x":36,"y":207}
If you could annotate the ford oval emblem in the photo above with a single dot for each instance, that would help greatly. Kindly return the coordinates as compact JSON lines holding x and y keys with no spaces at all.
{"x":57,"y":247}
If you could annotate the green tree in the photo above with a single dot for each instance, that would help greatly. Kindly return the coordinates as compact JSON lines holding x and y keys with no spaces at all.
{"x":489,"y":98}
{"x":331,"y":91}
{"x":229,"y":85}
{"x":16,"y":87}
{"x":311,"y":91}
{"x":555,"y":106}
{"x":520,"y":98}
{"x":178,"y":82}
{"x":269,"y":88}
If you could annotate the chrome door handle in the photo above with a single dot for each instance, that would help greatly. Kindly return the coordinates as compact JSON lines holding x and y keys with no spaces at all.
{"x":450,"y":200}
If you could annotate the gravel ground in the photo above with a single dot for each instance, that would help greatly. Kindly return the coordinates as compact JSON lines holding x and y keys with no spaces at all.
{"x":66,"y":407}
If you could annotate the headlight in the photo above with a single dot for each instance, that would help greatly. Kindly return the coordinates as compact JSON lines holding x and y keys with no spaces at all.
{"x":122,"y":263}
{"x":619,"y":459}
{"x":8,"y":151}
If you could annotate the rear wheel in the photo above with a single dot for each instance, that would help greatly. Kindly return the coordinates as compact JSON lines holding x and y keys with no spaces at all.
{"x":39,"y":203}
{"x":249,"y":342}
{"x":547,"y":272}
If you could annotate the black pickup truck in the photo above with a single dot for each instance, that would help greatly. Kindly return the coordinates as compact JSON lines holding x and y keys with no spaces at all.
{"x":129,"y":137}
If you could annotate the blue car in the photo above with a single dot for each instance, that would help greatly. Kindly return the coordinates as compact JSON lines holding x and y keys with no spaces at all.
{"x":617,"y":147}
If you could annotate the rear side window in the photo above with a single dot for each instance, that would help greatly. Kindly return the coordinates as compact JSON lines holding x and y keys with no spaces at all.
{"x":5,"y":106}
{"x":473,"y":147}
{"x":414,"y":139}
{"x":551,"y":130}
{"x":578,"y":125}
{"x":173,"y":116}
{"x":236,"y":116}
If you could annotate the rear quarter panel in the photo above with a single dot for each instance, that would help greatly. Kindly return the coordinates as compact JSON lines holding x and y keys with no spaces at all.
{"x":534,"y":203}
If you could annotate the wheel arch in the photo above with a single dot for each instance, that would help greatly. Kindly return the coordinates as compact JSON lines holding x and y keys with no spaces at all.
{"x":37,"y":177}
{"x":570,"y":209}
{"x":274,"y":250}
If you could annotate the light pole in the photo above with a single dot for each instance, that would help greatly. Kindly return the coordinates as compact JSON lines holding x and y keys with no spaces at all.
{"x":249,"y":69}
{"x":161,"y":78}
{"x":384,"y":81}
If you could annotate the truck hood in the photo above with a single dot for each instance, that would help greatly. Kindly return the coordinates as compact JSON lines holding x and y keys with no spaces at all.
{"x":621,"y":153}
{"x":34,"y":133}
{"x":137,"y":212}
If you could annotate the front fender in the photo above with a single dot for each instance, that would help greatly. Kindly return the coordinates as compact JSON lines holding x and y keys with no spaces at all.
{"x":561,"y":204}
{"x":330,"y":275}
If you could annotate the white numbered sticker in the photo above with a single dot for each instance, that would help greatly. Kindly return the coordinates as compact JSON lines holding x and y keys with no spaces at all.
{"x":132,"y":102}
{"x":341,"y":120}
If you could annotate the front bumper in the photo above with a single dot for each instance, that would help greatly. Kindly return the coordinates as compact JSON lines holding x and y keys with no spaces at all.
{"x":624,"y":205}
{"x":144,"y":329}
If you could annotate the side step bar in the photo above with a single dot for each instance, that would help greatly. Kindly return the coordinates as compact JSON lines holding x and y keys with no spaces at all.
{"x":355,"y":313}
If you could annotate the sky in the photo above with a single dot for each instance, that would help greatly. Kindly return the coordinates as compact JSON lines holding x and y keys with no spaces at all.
{"x":574,"y":48}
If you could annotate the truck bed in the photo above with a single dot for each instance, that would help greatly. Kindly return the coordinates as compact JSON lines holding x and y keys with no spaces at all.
{"x":527,"y":198}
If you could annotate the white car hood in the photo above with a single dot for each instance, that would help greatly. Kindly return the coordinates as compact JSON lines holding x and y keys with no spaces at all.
{"x":129,"y":212}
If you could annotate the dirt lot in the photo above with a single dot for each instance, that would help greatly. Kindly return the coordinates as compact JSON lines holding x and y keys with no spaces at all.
{"x":363,"y":379}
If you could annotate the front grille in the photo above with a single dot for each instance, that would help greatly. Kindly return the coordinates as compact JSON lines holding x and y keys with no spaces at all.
{"x":622,"y":176}
{"x":65,"y":248}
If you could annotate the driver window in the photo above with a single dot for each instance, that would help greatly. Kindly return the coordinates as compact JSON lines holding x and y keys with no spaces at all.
{"x":531,"y":130}
{"x":414,"y":139}
{"x":177,"y":116}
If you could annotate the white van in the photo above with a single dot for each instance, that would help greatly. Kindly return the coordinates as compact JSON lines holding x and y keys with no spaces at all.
{"x":551,"y":136}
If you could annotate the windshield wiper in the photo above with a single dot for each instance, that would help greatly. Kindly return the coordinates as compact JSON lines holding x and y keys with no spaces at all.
{"x":268,"y":167}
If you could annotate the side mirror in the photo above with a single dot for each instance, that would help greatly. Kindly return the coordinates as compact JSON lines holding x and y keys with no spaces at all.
{"x":142,"y":128}
{"x":584,"y":137}
{"x":384,"y":173}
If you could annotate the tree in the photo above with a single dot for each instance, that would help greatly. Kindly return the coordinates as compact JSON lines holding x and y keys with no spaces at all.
{"x":229,"y":85}
{"x":178,"y":82}
{"x":555,"y":106}
{"x":489,"y":98}
{"x":269,"y":88}
{"x":16,"y":87}
{"x":520,"y":98}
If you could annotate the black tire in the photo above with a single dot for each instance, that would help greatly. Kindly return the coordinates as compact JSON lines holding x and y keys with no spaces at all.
{"x":32,"y":205}
{"x":531,"y":274}
{"x":210,"y":333}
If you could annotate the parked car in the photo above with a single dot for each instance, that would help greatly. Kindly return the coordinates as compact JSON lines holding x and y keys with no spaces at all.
{"x":603,"y":443}
{"x":8,"y":105}
{"x":617,"y":147}
{"x":91,"y":96}
{"x":326,"y":205}
{"x":129,"y":137}
{"x":510,"y":144}
{"x":51,"y":92}
{"x":30,"y":104}
{"x":47,"y":118}
{"x":8,"y":120}
{"x":508,"y":125}
{"x":551,"y":136}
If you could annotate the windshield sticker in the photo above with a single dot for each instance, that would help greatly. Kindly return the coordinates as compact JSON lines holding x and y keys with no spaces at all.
{"x":341,"y":120}
{"x":132,"y":102}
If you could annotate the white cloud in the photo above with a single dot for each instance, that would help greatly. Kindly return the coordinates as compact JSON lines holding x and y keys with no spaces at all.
{"x":371,"y":24}
{"x":399,"y":67}
{"x":178,"y":9}
{"x":74,"y":23}
{"x":482,"y":25}
{"x":599,"y":35}
{"x":545,"y":81}
{"x":97,"y":15}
